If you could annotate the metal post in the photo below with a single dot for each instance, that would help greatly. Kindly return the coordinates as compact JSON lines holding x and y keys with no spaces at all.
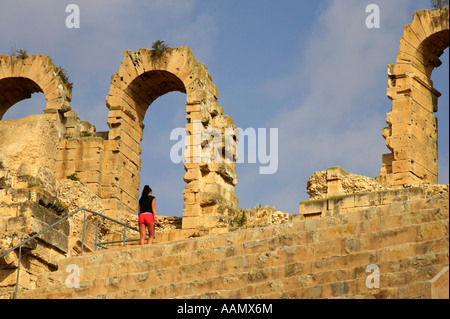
{"x":82,"y":238}
{"x":124,"y":235}
{"x":96,"y":234}
{"x":18,"y":271}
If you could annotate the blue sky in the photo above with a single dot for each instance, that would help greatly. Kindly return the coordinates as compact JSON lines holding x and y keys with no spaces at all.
{"x":309,"y":68}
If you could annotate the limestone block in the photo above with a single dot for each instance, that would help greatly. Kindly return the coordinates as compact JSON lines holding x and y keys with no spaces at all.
{"x":202,"y":115}
{"x":216,"y":109}
{"x":5,"y":65}
{"x":191,"y":222}
{"x":196,"y":96}
{"x":437,"y":287}
{"x":195,"y":128}
{"x":339,"y":202}
{"x":209,"y":199}
{"x":222,"y":121}
{"x":111,"y":146}
{"x":387,"y":160}
{"x":194,"y":187}
{"x":313,"y":207}
{"x":208,"y":211}
{"x":87,"y":165}
{"x":65,"y":167}
{"x":17,"y":63}
{"x":47,"y":73}
{"x":225,"y":170}
{"x":189,"y":198}
{"x":178,"y":61}
{"x":57,"y":104}
{"x":192,"y":174}
{"x":212,"y":178}
{"x":394,"y":142}
{"x":402,"y":165}
{"x":90,"y":176}
{"x":405,"y":178}
{"x":432,"y":230}
{"x":131,"y":154}
{"x":192,"y":210}
{"x":215,"y":189}
{"x":55,"y":87}
{"x":110,"y":204}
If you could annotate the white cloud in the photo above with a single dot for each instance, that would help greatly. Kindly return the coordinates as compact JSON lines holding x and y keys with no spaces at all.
{"x":339,"y":110}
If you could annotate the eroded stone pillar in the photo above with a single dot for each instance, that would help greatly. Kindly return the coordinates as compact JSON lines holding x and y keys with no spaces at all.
{"x":412,"y":132}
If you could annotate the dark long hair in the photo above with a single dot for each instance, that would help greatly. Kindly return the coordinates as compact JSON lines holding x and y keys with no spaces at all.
{"x":145,"y":192}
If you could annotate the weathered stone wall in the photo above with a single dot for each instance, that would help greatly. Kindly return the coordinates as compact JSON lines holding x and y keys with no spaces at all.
{"x":337,"y":191}
{"x":25,"y":212}
{"x":109,"y":163}
{"x":28,"y":152}
{"x":81,"y":152}
{"x":324,"y":257}
{"x":28,"y":198}
{"x":337,"y":181}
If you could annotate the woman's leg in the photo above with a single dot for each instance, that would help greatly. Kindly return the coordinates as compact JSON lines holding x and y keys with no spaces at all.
{"x":151,"y":232}
{"x":142,"y":232}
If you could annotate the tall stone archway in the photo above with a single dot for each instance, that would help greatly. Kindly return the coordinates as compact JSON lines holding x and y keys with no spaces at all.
{"x":21,"y":76}
{"x":141,"y":79}
{"x":412,"y":132}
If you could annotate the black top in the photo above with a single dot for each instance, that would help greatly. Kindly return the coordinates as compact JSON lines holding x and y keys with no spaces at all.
{"x":146,"y":204}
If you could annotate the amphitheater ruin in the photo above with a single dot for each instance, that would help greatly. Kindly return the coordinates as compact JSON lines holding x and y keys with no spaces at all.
{"x":356,"y":237}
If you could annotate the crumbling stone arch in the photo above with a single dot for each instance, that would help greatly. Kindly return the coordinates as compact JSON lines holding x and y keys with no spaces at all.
{"x":21,"y":76}
{"x":142,"y":78}
{"x":412,"y":132}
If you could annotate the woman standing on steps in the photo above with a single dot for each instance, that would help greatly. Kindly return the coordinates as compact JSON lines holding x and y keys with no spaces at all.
{"x":147,"y":215}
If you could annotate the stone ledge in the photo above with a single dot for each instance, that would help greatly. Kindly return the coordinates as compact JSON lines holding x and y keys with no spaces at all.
{"x":348,"y":202}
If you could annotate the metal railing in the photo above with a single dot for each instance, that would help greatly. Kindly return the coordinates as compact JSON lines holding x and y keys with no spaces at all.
{"x":96,"y":244}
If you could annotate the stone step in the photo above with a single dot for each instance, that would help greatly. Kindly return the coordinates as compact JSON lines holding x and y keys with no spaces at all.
{"x":212,"y":245}
{"x":135,"y":262}
{"x":291,"y":259}
{"x":230,"y":270}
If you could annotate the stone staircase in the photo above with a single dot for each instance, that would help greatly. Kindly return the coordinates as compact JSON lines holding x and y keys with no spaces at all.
{"x":325,"y":257}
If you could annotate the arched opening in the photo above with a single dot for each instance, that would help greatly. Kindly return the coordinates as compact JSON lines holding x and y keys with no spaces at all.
{"x":208,"y":195}
{"x":151,"y":85}
{"x":23,"y":76}
{"x":160,"y":109}
{"x":157,"y":170}
{"x":441,"y":83}
{"x":34,"y":105}
{"x":435,"y":58}
{"x":20,"y":97}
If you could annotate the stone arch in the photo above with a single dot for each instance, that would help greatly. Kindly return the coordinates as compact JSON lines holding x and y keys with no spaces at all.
{"x":142,"y":78}
{"x":412,"y":132}
{"x":21,"y":76}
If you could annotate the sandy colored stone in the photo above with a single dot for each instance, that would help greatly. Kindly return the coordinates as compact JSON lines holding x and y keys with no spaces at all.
{"x":412,"y":124}
{"x":318,"y":184}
